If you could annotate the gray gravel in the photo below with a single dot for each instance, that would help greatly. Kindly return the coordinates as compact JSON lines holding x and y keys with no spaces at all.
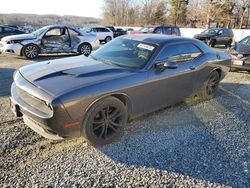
{"x":192,"y":144}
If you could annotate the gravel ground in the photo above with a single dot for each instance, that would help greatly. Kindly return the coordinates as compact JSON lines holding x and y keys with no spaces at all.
{"x":192,"y":144}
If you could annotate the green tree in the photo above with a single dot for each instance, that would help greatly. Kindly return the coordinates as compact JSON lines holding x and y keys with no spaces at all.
{"x":178,"y":11}
{"x":159,"y":16}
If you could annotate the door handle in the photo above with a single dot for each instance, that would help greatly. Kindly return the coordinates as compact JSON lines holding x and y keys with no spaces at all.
{"x":192,"y":67}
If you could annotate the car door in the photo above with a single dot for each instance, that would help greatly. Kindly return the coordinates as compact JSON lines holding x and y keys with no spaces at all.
{"x":223,"y":37}
{"x":74,"y":39}
{"x":167,"y":30}
{"x":56,"y":39}
{"x":172,"y":85}
{"x":158,"y":30}
{"x":98,"y":33}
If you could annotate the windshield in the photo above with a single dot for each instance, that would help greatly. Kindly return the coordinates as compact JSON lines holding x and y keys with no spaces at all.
{"x":39,"y":31}
{"x":125,"y":53}
{"x":147,"y":29}
{"x":210,"y":31}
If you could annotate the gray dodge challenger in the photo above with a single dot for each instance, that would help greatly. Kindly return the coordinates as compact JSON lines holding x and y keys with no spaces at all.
{"x":130,"y":76}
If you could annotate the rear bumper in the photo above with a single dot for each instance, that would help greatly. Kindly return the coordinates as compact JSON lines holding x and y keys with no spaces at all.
{"x":241,"y":63}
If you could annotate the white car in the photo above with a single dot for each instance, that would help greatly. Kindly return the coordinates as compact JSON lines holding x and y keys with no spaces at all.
{"x":103,"y":34}
{"x":50,"y":39}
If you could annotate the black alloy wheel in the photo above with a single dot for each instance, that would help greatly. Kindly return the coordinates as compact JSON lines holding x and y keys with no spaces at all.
{"x":104,"y":121}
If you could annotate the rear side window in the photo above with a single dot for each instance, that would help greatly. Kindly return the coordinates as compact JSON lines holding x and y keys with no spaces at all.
{"x":176,"y":30}
{"x":1,"y":29}
{"x":102,"y":29}
{"x":167,"y":30}
{"x":158,"y":30}
{"x":179,"y":53}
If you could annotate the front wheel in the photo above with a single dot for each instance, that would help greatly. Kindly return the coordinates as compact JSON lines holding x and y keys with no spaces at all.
{"x":210,"y":87}
{"x":30,"y":51}
{"x":85,"y":49}
{"x":104,"y":121}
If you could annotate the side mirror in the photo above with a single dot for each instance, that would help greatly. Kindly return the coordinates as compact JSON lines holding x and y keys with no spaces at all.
{"x":170,"y":65}
{"x":166,"y":65}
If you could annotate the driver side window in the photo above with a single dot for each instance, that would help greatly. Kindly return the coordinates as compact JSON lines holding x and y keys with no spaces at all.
{"x":179,"y":53}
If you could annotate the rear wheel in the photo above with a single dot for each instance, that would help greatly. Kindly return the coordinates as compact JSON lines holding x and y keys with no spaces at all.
{"x":85,"y":49}
{"x":210,"y":87}
{"x":212,"y":43}
{"x":104,"y":121}
{"x":228,"y":44}
{"x":30,"y":51}
{"x":107,"y":39}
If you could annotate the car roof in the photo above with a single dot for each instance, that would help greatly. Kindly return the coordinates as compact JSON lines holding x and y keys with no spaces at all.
{"x":158,"y":38}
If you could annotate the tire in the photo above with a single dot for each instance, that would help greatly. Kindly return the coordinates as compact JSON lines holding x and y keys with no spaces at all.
{"x":207,"y":41}
{"x":85,"y":49}
{"x":210,"y":87}
{"x":104,"y":121}
{"x":212,"y":43}
{"x":30,"y":51}
{"x":107,"y":39}
{"x":228,"y":44}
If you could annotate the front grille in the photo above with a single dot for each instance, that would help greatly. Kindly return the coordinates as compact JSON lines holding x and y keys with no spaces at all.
{"x":36,"y":103}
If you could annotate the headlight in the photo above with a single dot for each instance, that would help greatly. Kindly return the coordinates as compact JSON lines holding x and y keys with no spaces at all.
{"x":10,"y":42}
{"x":14,"y":41}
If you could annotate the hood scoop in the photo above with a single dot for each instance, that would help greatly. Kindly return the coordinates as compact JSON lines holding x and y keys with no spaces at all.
{"x":81,"y":72}
{"x":84,"y":72}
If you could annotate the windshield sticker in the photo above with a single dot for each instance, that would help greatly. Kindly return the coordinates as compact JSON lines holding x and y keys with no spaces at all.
{"x":145,"y":46}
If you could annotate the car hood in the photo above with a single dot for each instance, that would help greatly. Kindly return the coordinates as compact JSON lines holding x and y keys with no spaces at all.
{"x":58,"y":77}
{"x":19,"y":37}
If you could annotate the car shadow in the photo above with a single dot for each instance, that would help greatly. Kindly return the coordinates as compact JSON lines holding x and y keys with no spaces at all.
{"x":6,"y":79}
{"x":191,"y":139}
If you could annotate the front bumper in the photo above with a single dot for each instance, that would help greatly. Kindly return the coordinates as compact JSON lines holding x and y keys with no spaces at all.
{"x":12,"y":49}
{"x":50,"y":121}
{"x":32,"y":117}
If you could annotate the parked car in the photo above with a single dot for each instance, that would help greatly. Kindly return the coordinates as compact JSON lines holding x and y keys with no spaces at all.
{"x":117,"y":32}
{"x":240,"y":52}
{"x":220,"y":36}
{"x":128,"y":77}
{"x":160,"y":29}
{"x":128,"y":30}
{"x":7,"y":31}
{"x":103,"y":34}
{"x":49,"y":39}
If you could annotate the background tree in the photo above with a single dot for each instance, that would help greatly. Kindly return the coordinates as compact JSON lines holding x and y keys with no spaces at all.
{"x":178,"y":11}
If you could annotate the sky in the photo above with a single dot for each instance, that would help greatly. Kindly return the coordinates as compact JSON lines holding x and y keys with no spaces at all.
{"x":86,"y":8}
